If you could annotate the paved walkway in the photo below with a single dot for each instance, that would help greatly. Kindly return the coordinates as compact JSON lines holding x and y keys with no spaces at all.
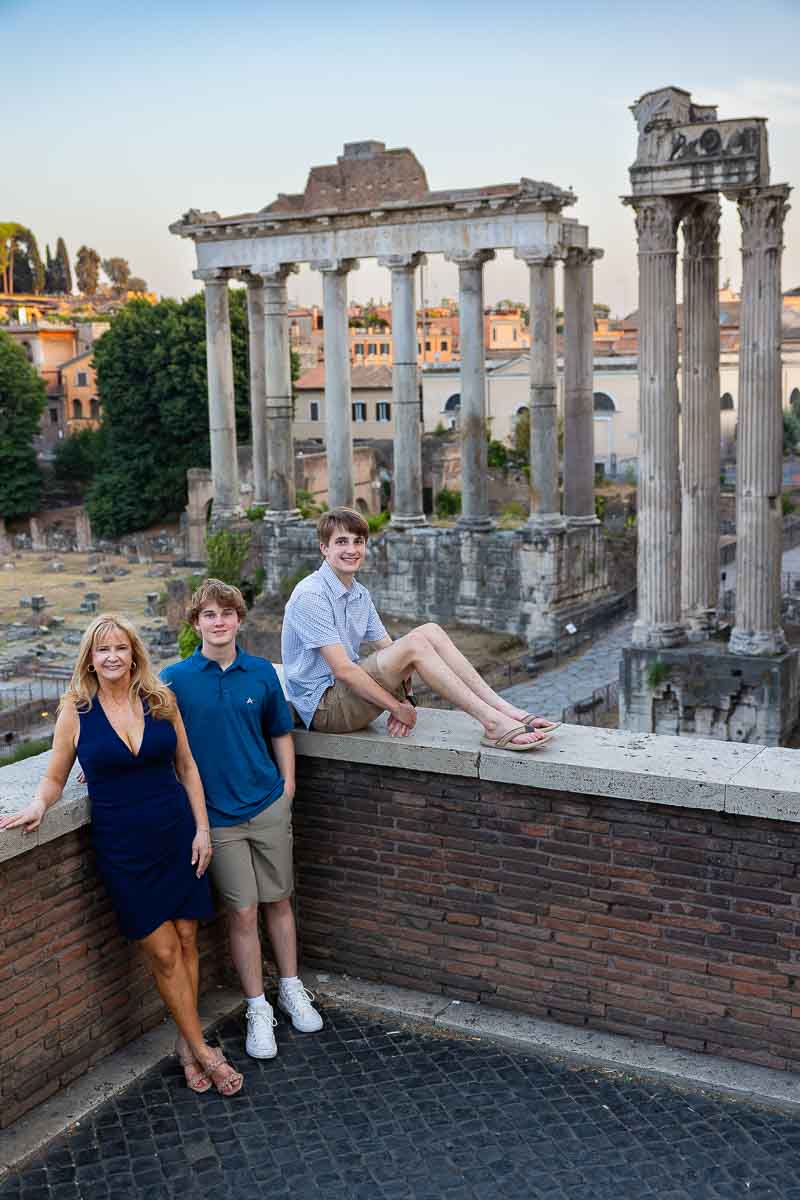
{"x":555,"y":690}
{"x":369,"y":1110}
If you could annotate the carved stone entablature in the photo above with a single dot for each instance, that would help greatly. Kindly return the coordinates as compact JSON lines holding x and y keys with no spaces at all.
{"x":657,"y":219}
{"x":683,"y":148}
{"x":763,"y":212}
{"x":701,"y":228}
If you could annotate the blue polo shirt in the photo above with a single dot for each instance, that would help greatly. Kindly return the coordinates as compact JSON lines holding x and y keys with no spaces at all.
{"x":228,"y":717}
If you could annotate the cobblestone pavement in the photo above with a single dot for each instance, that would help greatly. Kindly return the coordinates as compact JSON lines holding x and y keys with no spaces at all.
{"x":371,"y":1111}
{"x":551,"y":692}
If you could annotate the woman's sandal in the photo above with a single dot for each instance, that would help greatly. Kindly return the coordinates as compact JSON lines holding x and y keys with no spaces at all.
{"x":196,"y":1078}
{"x":231,"y":1083}
{"x":506,"y":741}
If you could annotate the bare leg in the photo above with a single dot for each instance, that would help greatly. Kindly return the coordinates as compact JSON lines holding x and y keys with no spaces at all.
{"x":187,"y":940}
{"x":246,"y":948}
{"x":416,"y":652}
{"x":463,"y":668}
{"x":282,"y":931}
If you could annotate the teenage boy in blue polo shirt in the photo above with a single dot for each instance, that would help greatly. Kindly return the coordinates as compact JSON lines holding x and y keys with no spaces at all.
{"x":231,"y":703}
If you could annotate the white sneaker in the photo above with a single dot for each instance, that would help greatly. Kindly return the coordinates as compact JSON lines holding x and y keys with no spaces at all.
{"x":295,"y":1001}
{"x":260,"y":1037}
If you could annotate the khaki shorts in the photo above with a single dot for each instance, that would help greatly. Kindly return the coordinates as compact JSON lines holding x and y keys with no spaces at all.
{"x":252,"y":862}
{"x":341,"y":711}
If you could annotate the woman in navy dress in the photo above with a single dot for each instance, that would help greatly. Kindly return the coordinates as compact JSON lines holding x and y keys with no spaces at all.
{"x":149,"y":824}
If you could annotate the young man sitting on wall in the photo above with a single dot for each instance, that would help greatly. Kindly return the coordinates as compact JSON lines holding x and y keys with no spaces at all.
{"x":330,"y":614}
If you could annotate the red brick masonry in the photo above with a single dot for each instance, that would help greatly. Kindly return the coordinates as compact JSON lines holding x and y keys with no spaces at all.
{"x":71,"y":989}
{"x":670,"y":925}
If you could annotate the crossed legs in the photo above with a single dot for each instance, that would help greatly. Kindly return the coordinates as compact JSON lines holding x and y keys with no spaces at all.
{"x":440,"y":664}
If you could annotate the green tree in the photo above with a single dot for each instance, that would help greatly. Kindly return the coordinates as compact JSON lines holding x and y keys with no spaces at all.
{"x":22,"y":398}
{"x":151,"y":376}
{"x":87,"y":270}
{"x":78,"y":458}
{"x":137,"y":284}
{"x":64,"y":273}
{"x":522,"y":436}
{"x":21,"y":267}
{"x":118,"y":272}
{"x":791,"y":431}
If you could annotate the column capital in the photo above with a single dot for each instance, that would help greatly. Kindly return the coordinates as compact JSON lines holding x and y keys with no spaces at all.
{"x":334,"y":266}
{"x":278,"y":274}
{"x":470,"y":258}
{"x":657,"y":220}
{"x":402,"y":262}
{"x":701,"y":228}
{"x":762,"y":212}
{"x":213,"y":274}
{"x":580,"y":256}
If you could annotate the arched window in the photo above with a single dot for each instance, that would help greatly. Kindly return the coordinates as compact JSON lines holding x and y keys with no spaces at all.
{"x":95,"y":407}
{"x":28,"y":348}
{"x":453,"y":403}
{"x":726,"y":402}
{"x":603,"y":403}
{"x":77,"y":410}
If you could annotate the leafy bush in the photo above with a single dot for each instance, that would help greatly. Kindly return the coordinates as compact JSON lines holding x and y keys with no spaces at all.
{"x":497,"y":454}
{"x":255,"y":512}
{"x":79,"y":457}
{"x":787,"y":504}
{"x":227,"y":554}
{"x":188,"y":640}
{"x":290,"y":582}
{"x":378,"y":521}
{"x":600,"y":506}
{"x":448,"y":503}
{"x":305,"y":502}
{"x":515,"y":510}
{"x":656,"y":673}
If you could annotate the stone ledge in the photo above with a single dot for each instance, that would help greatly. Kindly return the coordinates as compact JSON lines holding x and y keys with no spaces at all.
{"x":730,"y":777}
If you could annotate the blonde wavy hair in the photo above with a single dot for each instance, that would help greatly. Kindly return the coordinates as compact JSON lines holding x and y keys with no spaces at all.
{"x":144,"y":683}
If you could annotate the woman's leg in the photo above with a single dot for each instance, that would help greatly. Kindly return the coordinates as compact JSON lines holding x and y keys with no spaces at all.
{"x":162,"y":949}
{"x":187,"y":939}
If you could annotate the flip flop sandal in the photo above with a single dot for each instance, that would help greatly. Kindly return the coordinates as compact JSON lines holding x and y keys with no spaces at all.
{"x":548,"y":727}
{"x":505,"y":741}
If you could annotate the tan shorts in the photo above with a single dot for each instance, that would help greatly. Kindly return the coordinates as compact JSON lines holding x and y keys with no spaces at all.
{"x":252,"y":862}
{"x":341,"y":711}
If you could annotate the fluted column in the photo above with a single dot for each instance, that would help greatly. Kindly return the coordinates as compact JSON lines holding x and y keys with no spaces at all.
{"x":408,"y":511}
{"x":543,"y":407}
{"x":700,"y":422}
{"x":659,"y":519}
{"x":221,"y":406}
{"x":757,"y":628}
{"x":258,"y":386}
{"x":472,"y":421}
{"x":338,"y":412}
{"x":280,"y":414}
{"x":579,"y":386}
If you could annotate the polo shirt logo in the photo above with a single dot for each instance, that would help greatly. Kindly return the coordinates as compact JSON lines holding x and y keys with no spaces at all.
{"x":250,"y":700}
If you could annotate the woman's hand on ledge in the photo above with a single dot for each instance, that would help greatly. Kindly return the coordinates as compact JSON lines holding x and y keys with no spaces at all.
{"x":30,"y":817}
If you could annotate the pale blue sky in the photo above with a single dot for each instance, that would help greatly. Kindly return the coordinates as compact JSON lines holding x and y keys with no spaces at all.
{"x":117,"y":118}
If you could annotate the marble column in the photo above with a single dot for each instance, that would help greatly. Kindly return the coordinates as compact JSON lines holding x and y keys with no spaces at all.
{"x":280,"y":409}
{"x":472,"y":420}
{"x":579,"y":386}
{"x":258,"y":387}
{"x":221,"y":408}
{"x":338,"y":411}
{"x":759,"y":520}
{"x":408,"y":511}
{"x":700,"y":421}
{"x":659,"y":519}
{"x":543,"y":406}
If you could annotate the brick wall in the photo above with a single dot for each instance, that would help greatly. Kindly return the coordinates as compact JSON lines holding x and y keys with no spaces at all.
{"x":666,"y":924}
{"x":71,"y":989}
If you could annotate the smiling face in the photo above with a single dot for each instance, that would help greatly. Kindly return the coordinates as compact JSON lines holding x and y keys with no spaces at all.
{"x":218,"y":625}
{"x":112,"y":655}
{"x":344,"y":552}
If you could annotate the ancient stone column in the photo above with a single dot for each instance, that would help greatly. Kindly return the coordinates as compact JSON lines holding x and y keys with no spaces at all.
{"x":408,"y":510}
{"x":659,"y":519}
{"x":472,"y":423}
{"x":757,"y":627}
{"x":543,"y":408}
{"x":338,"y":411}
{"x":221,"y":409}
{"x":258,"y":387}
{"x":579,"y":386}
{"x":280,"y":414}
{"x":700,"y":422}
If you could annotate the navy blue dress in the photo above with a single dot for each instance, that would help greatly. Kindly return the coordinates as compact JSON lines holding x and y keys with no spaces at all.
{"x":142,"y":825}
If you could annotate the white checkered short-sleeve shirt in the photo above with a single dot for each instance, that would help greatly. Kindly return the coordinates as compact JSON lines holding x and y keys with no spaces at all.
{"x":322,"y":612}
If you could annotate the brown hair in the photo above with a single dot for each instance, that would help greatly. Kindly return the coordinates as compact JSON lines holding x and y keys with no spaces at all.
{"x":144,"y":682}
{"x":214,"y":591}
{"x":341,"y":518}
